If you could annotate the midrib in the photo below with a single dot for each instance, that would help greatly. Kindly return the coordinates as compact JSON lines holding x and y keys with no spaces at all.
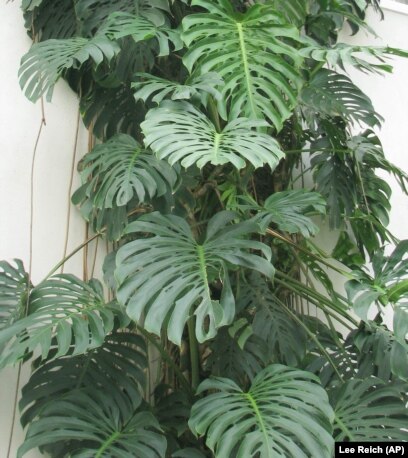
{"x":246,"y":68}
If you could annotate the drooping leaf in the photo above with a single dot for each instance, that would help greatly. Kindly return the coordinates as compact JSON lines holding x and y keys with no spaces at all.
{"x":166,"y":276}
{"x":177,"y":131}
{"x":14,"y":288}
{"x":251,"y":53}
{"x":364,"y":58}
{"x":63,"y":307}
{"x":119,"y":25}
{"x":43,"y":65}
{"x":333,"y":94}
{"x":333,"y":177}
{"x":284,"y":413}
{"x":119,"y":363}
{"x":155,"y":88}
{"x":370,"y":410}
{"x":95,"y":425}
{"x":288,"y":210}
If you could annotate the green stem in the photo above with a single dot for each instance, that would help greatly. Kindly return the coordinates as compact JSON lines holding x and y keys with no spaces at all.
{"x":166,"y":357}
{"x":344,"y":428}
{"x":213,"y":112}
{"x":194,"y":354}
{"x":260,"y":421}
{"x":113,"y":438}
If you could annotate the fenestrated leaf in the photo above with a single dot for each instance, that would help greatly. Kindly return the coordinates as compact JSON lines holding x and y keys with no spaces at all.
{"x":389,"y":284}
{"x":92,"y":13}
{"x":63,"y":307}
{"x":368,"y":59}
{"x":14,"y":289}
{"x":120,"y":363}
{"x":120,"y":25}
{"x":370,"y":410}
{"x":251,"y":53}
{"x":119,"y":170}
{"x":288,"y":210}
{"x":95,"y":425}
{"x":285,"y":413}
{"x":332,"y":94}
{"x":286,"y":341}
{"x":177,"y":131}
{"x":295,"y":11}
{"x":166,"y":276}
{"x":43,"y":65}
{"x":155,"y":88}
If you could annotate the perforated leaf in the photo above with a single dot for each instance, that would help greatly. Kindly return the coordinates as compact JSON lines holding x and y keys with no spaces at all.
{"x":177,"y":131}
{"x":43,"y":65}
{"x":167,"y":278}
{"x":284,"y":413}
{"x":251,"y":52}
{"x":14,"y":288}
{"x":370,"y":410}
{"x":64,"y":308}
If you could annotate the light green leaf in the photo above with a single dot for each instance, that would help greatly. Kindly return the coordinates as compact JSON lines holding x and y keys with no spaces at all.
{"x":253,"y":54}
{"x":177,"y":131}
{"x":165,"y":277}
{"x":285,"y":413}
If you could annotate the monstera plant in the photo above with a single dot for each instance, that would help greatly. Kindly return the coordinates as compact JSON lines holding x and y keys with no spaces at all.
{"x":205,"y":116}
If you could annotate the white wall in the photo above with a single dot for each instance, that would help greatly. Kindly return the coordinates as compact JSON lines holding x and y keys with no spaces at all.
{"x":19,"y":123}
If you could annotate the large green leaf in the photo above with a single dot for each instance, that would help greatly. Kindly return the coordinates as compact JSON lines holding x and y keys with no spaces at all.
{"x":370,"y":410}
{"x":14,"y":288}
{"x":120,"y":363}
{"x":95,"y":425}
{"x":179,"y":131}
{"x":165,"y":276}
{"x":288,"y":210}
{"x":333,"y":94}
{"x":251,"y":52}
{"x":43,"y":65}
{"x":119,"y":174}
{"x":334,"y":179}
{"x":119,"y":170}
{"x":285,"y":413}
{"x":63,"y":307}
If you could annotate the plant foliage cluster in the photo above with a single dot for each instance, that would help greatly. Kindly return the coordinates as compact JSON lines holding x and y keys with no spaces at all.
{"x":211,"y":116}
